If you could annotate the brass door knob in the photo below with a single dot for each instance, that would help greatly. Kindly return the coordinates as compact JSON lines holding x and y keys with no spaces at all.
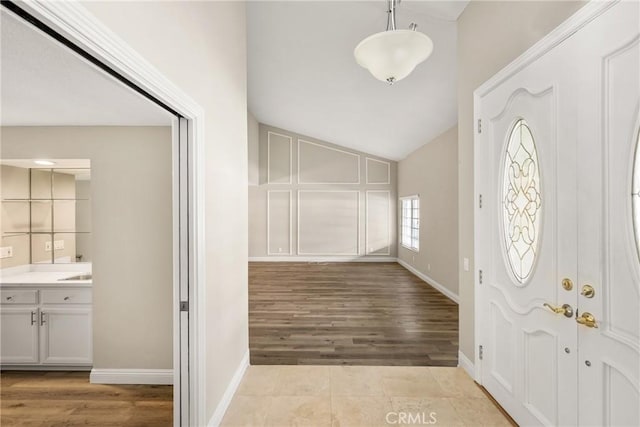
{"x":587,"y":320}
{"x":566,"y":309}
{"x":588,"y":291}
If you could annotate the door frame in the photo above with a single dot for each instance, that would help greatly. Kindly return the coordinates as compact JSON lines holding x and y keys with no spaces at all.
{"x":75,"y":23}
{"x":582,"y":17}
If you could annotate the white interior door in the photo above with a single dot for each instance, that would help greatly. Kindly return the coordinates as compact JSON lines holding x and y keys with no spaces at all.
{"x":557,"y":204}
{"x":609,"y":357}
{"x":526,"y":244}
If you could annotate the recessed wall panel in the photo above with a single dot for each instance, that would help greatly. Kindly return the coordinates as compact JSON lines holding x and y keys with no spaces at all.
{"x":378,"y":171}
{"x":319,"y":164}
{"x":378,"y":223}
{"x":279,"y":222}
{"x":328,"y":222}
{"x":278,"y":159}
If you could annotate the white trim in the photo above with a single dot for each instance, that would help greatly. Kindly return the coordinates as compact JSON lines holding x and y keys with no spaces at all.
{"x":465,"y":363}
{"x":290,"y":222}
{"x":131,"y":376}
{"x":328,"y":148}
{"x":434,"y":284}
{"x":269,"y":133}
{"x":370,"y":258}
{"x":366,"y":223}
{"x":366,"y":171}
{"x":224,"y":403}
{"x":78,"y":25}
{"x":357,"y":253}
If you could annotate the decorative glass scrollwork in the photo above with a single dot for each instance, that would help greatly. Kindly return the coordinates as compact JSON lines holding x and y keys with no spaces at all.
{"x":635,"y":194}
{"x":521,"y":202}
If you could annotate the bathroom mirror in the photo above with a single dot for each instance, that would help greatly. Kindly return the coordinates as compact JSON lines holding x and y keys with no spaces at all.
{"x":46,"y":212}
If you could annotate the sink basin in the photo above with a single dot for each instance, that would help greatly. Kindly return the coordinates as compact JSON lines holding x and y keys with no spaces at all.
{"x":86,"y":276}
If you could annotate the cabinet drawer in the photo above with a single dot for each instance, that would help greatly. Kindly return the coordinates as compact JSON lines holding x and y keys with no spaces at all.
{"x":18,"y":296}
{"x":66,"y":296}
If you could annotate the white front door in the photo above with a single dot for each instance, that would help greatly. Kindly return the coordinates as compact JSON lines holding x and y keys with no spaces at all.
{"x":609,"y":357}
{"x":553,"y":164}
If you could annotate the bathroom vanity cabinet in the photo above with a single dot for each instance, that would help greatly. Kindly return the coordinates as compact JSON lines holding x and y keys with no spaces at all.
{"x":46,"y":326}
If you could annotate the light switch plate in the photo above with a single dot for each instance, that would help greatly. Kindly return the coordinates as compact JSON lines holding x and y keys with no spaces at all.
{"x":47,"y":246}
{"x":465,"y":263}
{"x":6,"y":252}
{"x":58,"y":245}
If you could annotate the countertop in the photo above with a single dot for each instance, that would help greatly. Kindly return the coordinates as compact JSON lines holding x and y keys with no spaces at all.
{"x":42,"y":278}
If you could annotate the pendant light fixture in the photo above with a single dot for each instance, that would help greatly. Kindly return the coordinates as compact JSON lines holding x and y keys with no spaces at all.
{"x":392,"y":55}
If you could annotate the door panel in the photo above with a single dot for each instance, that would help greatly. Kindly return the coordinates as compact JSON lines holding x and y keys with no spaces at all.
{"x":66,"y":335}
{"x":525,"y":364}
{"x":19,"y":335}
{"x":609,"y":364}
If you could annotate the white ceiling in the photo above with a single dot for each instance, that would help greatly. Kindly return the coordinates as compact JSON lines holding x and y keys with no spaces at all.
{"x":302,"y":75}
{"x":46,"y":84}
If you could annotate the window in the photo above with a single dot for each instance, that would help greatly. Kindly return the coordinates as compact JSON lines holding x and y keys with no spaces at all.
{"x":521,"y":201}
{"x":410,"y":224}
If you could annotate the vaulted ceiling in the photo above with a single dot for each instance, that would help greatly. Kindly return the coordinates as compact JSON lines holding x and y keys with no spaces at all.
{"x":302,"y":75}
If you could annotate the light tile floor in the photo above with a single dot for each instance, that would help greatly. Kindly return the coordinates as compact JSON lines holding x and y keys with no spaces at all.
{"x":359,"y":396}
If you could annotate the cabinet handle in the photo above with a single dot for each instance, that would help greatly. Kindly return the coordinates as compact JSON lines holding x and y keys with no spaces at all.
{"x":42,"y":321}
{"x":33,"y":318}
{"x":9,"y":298}
{"x":66,"y":298}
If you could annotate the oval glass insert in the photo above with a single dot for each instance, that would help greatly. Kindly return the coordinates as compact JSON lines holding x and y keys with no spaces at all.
{"x":635,"y":194}
{"x":521,"y":202}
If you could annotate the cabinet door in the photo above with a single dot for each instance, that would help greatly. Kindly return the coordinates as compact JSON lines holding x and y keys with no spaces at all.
{"x":19,"y":335}
{"x":66,"y":336}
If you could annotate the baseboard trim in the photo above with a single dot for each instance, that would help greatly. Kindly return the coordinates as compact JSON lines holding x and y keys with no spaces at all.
{"x":132,"y":376}
{"x":434,"y":284}
{"x":277,"y":258}
{"x":222,"y":407}
{"x":466,"y":364}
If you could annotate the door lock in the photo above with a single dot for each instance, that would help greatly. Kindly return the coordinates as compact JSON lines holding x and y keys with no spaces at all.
{"x":567,"y":284}
{"x":588,"y":291}
{"x":566,"y":309}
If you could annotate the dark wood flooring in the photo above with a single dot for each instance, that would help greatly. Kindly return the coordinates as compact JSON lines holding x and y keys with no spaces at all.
{"x":348,"y":314}
{"x":68,"y":399}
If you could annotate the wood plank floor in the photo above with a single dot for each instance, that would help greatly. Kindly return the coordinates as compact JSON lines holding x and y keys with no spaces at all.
{"x":348,"y":314}
{"x":68,"y":399}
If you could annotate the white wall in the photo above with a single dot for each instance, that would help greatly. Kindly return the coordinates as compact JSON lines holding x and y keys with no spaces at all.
{"x":490,"y":35}
{"x":315,"y":199}
{"x":132,"y":237}
{"x":432,"y":173}
{"x":201,"y":47}
{"x":253,"y":147}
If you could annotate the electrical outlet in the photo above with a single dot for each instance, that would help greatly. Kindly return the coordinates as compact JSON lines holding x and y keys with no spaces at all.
{"x":58,"y":245}
{"x":465,"y":263}
{"x":279,"y":250}
{"x":47,"y":246}
{"x":428,"y":267}
{"x":6,"y":252}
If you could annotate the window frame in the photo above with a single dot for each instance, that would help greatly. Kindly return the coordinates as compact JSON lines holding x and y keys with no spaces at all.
{"x":413,"y":239}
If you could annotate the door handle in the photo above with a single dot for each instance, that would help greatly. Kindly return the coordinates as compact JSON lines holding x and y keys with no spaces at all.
{"x":587,"y":320}
{"x":566,"y":309}
{"x":42,"y":321}
{"x":33,"y":318}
